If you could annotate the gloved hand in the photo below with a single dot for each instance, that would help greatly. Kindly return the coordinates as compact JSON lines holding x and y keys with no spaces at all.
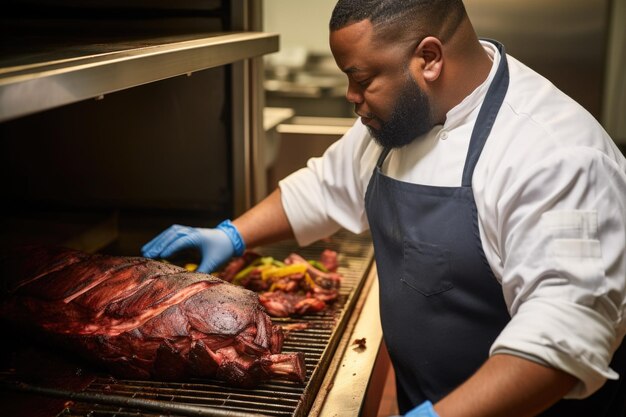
{"x":216,"y":246}
{"x":425,"y":409}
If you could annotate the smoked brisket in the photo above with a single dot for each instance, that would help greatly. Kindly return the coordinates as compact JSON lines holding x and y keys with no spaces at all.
{"x":142,"y":318}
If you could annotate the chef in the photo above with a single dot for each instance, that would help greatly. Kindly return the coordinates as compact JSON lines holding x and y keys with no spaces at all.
{"x":497,"y":207}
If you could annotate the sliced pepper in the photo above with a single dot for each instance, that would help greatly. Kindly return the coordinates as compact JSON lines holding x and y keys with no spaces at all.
{"x":265,"y":260}
{"x":317,"y":265}
{"x":191,"y":267}
{"x":309,"y":280}
{"x":244,"y":273}
{"x":284,"y":271}
{"x":278,"y":263}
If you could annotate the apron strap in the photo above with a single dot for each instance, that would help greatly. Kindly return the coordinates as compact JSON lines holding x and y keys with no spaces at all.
{"x":485,"y":120}
{"x":487,"y":115}
{"x":381,"y":158}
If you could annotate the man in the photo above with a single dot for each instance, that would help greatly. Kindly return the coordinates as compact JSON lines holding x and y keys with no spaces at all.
{"x":497,"y":207}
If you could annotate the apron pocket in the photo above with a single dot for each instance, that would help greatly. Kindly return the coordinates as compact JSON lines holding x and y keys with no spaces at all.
{"x":425,"y":267}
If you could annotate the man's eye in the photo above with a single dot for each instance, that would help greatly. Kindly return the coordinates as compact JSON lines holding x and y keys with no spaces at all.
{"x":364,"y":83}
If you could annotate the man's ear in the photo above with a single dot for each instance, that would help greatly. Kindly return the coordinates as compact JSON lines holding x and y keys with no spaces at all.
{"x":430,"y":58}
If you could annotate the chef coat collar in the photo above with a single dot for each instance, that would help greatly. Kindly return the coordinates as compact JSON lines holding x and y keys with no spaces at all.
{"x":470,"y":104}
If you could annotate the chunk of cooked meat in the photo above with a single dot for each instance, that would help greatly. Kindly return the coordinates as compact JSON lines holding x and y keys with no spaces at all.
{"x":141,"y":318}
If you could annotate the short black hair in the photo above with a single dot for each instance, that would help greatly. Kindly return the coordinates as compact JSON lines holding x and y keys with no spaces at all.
{"x":401,"y":18}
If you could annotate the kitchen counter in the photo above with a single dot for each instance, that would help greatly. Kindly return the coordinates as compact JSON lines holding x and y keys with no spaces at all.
{"x":356,"y":377}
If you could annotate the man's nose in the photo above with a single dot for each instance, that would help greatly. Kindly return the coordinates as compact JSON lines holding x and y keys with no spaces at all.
{"x":353,"y":93}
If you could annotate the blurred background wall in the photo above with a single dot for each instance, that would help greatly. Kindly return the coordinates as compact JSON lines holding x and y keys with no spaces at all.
{"x":578,"y":44}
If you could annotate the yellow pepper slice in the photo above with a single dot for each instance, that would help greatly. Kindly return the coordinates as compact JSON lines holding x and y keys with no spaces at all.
{"x":309,"y":280}
{"x":241,"y":274}
{"x":249,"y":269}
{"x":284,"y":271}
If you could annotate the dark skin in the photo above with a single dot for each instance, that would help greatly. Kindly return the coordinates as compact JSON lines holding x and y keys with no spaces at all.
{"x":506,"y":385}
{"x":375,"y":69}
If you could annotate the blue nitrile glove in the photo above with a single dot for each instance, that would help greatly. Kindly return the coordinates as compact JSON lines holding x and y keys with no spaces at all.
{"x":216,"y":246}
{"x":425,"y":409}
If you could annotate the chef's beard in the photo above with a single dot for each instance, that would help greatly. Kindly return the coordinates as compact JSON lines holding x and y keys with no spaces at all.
{"x":410,"y":118}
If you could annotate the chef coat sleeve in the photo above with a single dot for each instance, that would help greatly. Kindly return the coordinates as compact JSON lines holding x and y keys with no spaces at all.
{"x":328,"y":193}
{"x":563,"y":231}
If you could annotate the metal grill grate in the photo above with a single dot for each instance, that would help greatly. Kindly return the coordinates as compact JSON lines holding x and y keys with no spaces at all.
{"x":273,"y":398}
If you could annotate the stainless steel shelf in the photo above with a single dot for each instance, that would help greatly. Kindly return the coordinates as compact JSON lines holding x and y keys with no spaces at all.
{"x":43,"y":79}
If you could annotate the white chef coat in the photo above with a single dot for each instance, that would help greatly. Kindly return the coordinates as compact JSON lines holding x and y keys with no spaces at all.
{"x":550,"y":190}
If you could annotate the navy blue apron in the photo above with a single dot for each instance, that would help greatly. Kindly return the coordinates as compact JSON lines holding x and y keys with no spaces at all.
{"x":441,"y":306}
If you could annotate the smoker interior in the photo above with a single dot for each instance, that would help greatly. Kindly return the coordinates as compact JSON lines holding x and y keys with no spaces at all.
{"x":53,"y":373}
{"x":144,"y":147}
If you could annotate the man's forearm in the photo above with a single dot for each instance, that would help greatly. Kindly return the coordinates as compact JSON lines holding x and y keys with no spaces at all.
{"x":509,"y":386}
{"x":264,"y":223}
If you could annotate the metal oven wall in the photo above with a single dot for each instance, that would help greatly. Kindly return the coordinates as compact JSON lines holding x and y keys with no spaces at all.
{"x":177,"y":150}
{"x":563,"y":40}
{"x":163,"y":145}
{"x":153,"y":146}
